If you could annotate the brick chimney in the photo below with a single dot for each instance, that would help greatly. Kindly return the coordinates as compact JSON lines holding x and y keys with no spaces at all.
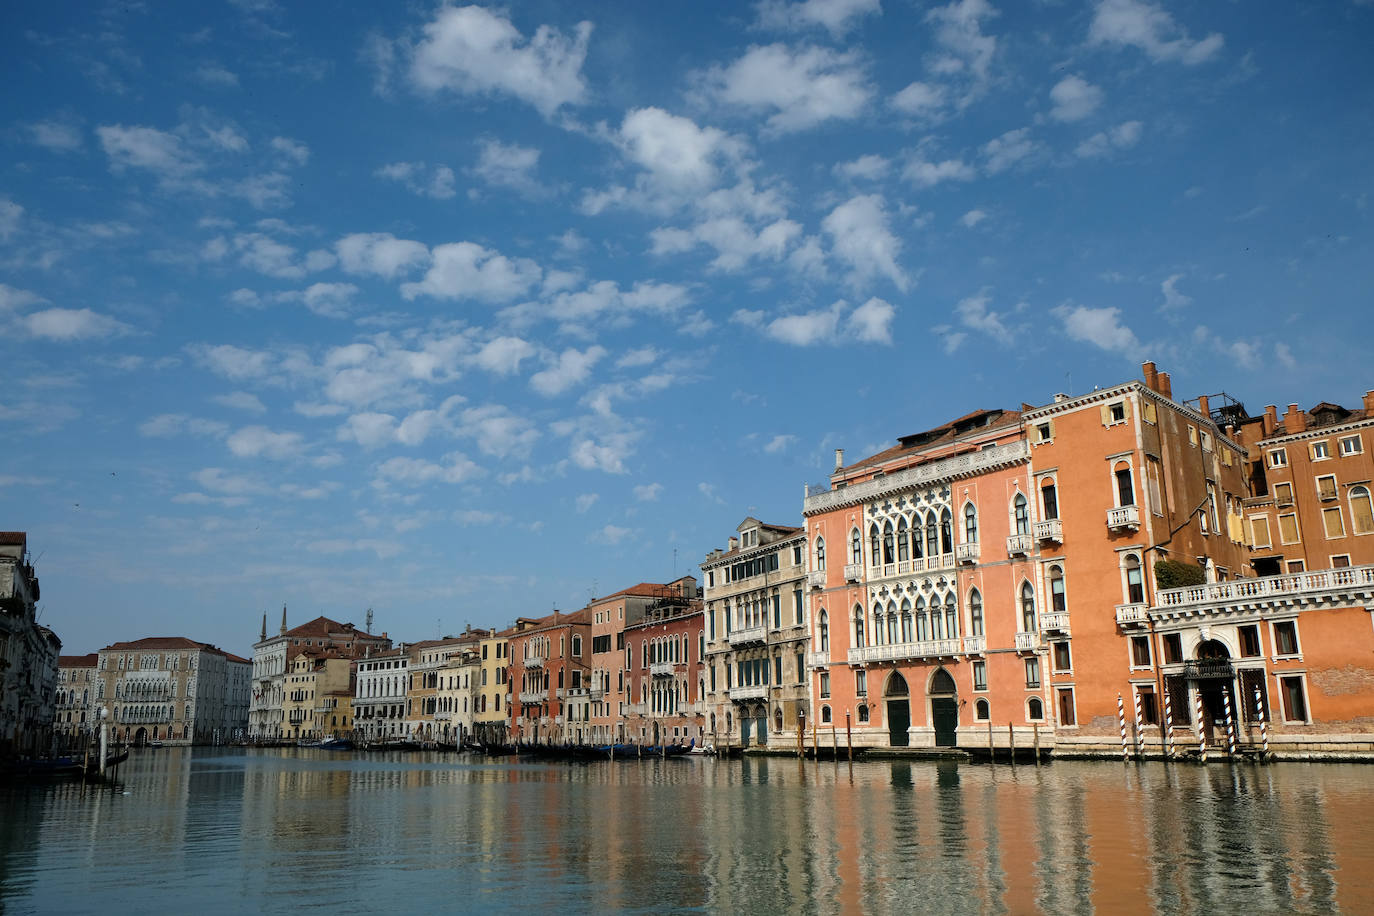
{"x":1294,"y":421}
{"x":1271,"y":420}
{"x":839,"y":458}
{"x":1369,"y":403}
{"x":1165,"y":387}
{"x":1203,"y":404}
{"x":1151,"y":375}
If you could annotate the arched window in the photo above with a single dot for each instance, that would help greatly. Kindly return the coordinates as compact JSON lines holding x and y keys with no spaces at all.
{"x":1021,"y":513}
{"x":1056,"y":577}
{"x":932,"y":536}
{"x":946,"y":532}
{"x":951,"y":617}
{"x":856,"y":547}
{"x":863,"y":712}
{"x":889,"y":552}
{"x":903,"y":545}
{"x":922,"y":622}
{"x":975,"y":612}
{"x":877,"y":624}
{"x":908,"y":634}
{"x":1125,"y":486}
{"x":1035,"y":710}
{"x":858,"y":627}
{"x":820,"y":554}
{"x":892,"y":623}
{"x":875,"y":545}
{"x":1361,"y":510}
{"x":777,"y":720}
{"x":825,"y":714}
{"x":982,"y":711}
{"x":824,"y":628}
{"x":1049,"y":499}
{"x":970,"y":524}
{"x":937,"y":622}
{"x":1135,"y":581}
{"x":917,"y":533}
{"x":1027,"y":608}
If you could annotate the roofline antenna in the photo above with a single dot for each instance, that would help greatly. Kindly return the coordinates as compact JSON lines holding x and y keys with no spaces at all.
{"x":369,"y":620}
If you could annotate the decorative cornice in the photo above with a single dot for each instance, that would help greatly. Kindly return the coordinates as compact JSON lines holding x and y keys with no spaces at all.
{"x":945,"y":469}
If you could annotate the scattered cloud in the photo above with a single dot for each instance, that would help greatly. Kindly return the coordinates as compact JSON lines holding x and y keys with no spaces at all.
{"x":871,"y":322}
{"x":779,"y":444}
{"x":585,"y":501}
{"x":240,"y":400}
{"x":380,"y":254}
{"x":508,"y":165}
{"x":972,"y":218}
{"x":649,"y":492}
{"x":1014,"y":146}
{"x":835,"y":16}
{"x":419,"y":178}
{"x":1100,"y":327}
{"x":1074,"y":98}
{"x":1173,"y":298}
{"x":800,"y":87}
{"x":568,"y":369}
{"x":858,"y":229}
{"x":466,"y":270}
{"x":68,"y":325}
{"x":1123,"y":136}
{"x":261,"y":442}
{"x":1149,"y":27}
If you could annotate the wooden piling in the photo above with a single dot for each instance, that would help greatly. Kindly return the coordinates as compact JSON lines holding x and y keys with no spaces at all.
{"x":1011,"y":744}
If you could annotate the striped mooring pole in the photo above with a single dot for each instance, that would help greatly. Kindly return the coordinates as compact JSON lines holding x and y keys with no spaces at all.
{"x":1231,"y":746}
{"x":1121,"y":717}
{"x":1168,"y":727}
{"x":1263,"y":724}
{"x":1201,"y":735}
{"x":1139,"y":729}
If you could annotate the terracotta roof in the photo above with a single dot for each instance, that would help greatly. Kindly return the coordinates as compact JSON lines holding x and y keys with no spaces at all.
{"x":160,"y":642}
{"x":323,"y":626}
{"x":235,"y":658}
{"x":642,"y":590}
{"x":945,"y":434}
{"x":78,"y":661}
{"x":14,"y":537}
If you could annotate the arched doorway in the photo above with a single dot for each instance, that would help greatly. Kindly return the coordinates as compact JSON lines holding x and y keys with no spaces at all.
{"x":897,"y":697}
{"x":1212,"y":678}
{"x":141,"y":737}
{"x":746,"y":727}
{"x":761,"y":724}
{"x":655,"y":741}
{"x":944,"y":709}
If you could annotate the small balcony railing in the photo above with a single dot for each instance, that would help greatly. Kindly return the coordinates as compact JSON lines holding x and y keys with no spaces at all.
{"x":534,"y":661}
{"x":1019,"y":545}
{"x":1051,"y":529}
{"x":853,"y":572}
{"x":1209,"y":669}
{"x":749,"y":635}
{"x":1055,"y":622}
{"x":975,"y":645}
{"x":662,"y":669}
{"x":561,"y":693}
{"x":1132,"y":615}
{"x":1123,"y":518}
{"x":966,"y":554}
{"x":927,"y":648}
{"x":1027,"y":641}
{"x":816,"y":578}
{"x":533,"y":696}
{"x":753,"y":692}
{"x":817,"y":659}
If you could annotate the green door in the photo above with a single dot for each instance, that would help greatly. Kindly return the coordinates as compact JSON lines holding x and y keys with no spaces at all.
{"x":945,"y":712}
{"x":898,"y":721}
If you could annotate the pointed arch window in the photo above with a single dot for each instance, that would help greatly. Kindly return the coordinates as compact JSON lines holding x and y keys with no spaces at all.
{"x":922,"y":621}
{"x":903,"y":545}
{"x":1021,"y":513}
{"x":937,"y":622}
{"x":908,"y":633}
{"x":975,"y":612}
{"x":875,"y":545}
{"x":1057,"y":599}
{"x":1027,"y":608}
{"x":932,"y":536}
{"x":859,"y":627}
{"x":824,"y":628}
{"x":951,"y":617}
{"x":946,"y":531}
{"x":889,"y":554}
{"x":820,"y":554}
{"x":877,"y":624}
{"x":970,"y":524}
{"x":856,"y":551}
{"x":891,"y":622}
{"x":917,"y":534}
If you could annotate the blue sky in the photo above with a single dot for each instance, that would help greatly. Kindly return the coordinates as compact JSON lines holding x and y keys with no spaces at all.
{"x":463,"y":313}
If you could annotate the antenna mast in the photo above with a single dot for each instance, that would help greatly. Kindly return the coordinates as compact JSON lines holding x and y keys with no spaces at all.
{"x":369,"y":621}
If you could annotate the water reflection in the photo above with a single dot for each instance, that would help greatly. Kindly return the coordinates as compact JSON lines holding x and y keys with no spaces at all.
{"x":275,"y":830}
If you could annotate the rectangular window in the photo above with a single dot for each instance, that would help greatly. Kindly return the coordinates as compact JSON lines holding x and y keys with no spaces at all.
{"x":1288,"y":529}
{"x":798,"y":613}
{"x":777,"y":670}
{"x":1117,"y":412}
{"x":825,"y":683}
{"x":1173,"y":648}
{"x":1340,"y":561}
{"x":1286,"y":638}
{"x":1140,"y":651}
{"x":1032,"y":672}
{"x":1321,"y":449}
{"x":711,"y":578}
{"x":796,"y":555}
{"x":980,"y":675}
{"x":1044,"y":432}
{"x":1326,"y":487}
{"x":1063,"y":658}
{"x":1278,"y":458}
{"x":1149,"y":706}
{"x":1283,"y":494}
{"x":1249,"y":641}
{"x":1297,"y":566}
{"x":861,"y":683}
{"x":777,"y":612}
{"x":1066,"y":711}
{"x":1192,"y":435}
{"x":1351,"y":445}
{"x":1294,"y":699}
{"x":1179,"y":711}
{"x":1259,"y":531}
{"x":1331,"y":519}
{"x":1252,"y":681}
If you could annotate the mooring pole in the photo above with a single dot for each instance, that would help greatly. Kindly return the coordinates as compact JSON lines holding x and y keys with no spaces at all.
{"x":1121,"y":717}
{"x":1035,"y":734}
{"x":848,"y":737}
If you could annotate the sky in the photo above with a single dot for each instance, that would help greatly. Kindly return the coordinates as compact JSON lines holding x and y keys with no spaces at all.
{"x":461,"y":313}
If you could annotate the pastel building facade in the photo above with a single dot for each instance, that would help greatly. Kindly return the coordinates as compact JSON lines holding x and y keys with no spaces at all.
{"x":379,"y":698}
{"x":548,"y":657}
{"x":665,"y":668}
{"x":28,"y":652}
{"x":608,"y":693}
{"x":491,"y":719}
{"x":174,"y":690}
{"x":76,"y":707}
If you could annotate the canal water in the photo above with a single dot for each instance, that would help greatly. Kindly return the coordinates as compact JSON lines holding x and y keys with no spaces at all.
{"x":275,"y":831}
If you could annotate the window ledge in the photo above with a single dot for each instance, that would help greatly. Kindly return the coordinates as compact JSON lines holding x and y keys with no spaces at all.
{"x":1287,"y":658}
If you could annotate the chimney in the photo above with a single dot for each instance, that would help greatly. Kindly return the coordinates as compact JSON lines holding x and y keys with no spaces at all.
{"x":1294,"y":421}
{"x":1202,"y":405}
{"x":1369,"y":403}
{"x":1166,"y":387}
{"x":839,"y":458}
{"x":734,"y":542}
{"x":1271,"y":420}
{"x":1151,"y":374}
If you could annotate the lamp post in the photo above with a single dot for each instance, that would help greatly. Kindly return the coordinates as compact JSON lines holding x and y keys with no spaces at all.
{"x":104,"y":739}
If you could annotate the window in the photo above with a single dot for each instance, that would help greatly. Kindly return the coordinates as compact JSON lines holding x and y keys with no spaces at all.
{"x":903,"y":541}
{"x":1140,"y":651}
{"x":856,"y":548}
{"x":1288,"y":529}
{"x":1286,"y":638}
{"x":1116,"y":413}
{"x":1259,"y":531}
{"x":1044,"y":432}
{"x":970,"y":524}
{"x":1278,"y":458}
{"x":1035,"y":710}
{"x":1340,"y":561}
{"x":1249,"y":641}
{"x":1021,"y":514}
{"x":1321,"y":450}
{"x":1032,"y":672}
{"x":1294,"y":699}
{"x":1351,"y":445}
{"x":777,"y":612}
{"x":975,"y":612}
{"x":1027,"y":608}
{"x":861,"y":683}
{"x":1149,"y":705}
{"x":1283,"y":494}
{"x":889,"y":544}
{"x":980,"y":675}
{"x":1135,"y":580}
{"x":820,"y":554}
{"x":1063,"y":658}
{"x":1326,"y":487}
{"x":863,"y":712}
{"x":1331,"y":520}
{"x":1361,"y":510}
{"x":946,"y":532}
{"x":1173,"y":648}
{"x":1125,"y":487}
{"x":1297,"y":566}
{"x":824,"y":631}
{"x":825,"y":710}
{"x":1057,"y":599}
{"x":777,"y":670}
{"x":1049,"y":499}
{"x":982,"y":710}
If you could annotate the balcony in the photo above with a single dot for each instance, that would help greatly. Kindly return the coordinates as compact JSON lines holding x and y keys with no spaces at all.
{"x":1019,"y":545}
{"x":1210,"y":669}
{"x":1346,"y":584}
{"x":966,"y":554}
{"x":1050,"y":530}
{"x":636,"y":709}
{"x":749,"y":635}
{"x":975,"y":645}
{"x":853,"y":572}
{"x":1026,"y":642}
{"x":1123,"y":518}
{"x":1132,"y":615}
{"x":755,"y":692}
{"x":534,"y":661}
{"x":817,"y":659}
{"x":1055,"y":622}
{"x":816,"y":578}
{"x":929,"y":648}
{"x":561,"y":693}
{"x":557,"y":720}
{"x":662,"y":669}
{"x":533,"y":696}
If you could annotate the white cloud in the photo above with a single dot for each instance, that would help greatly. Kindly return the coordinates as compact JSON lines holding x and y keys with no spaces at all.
{"x":164,"y":426}
{"x":872,"y":321}
{"x":146,"y":148}
{"x":920,"y":100}
{"x":1074,"y":99}
{"x":293,"y":150}
{"x":649,"y":492}
{"x":803,"y":87}
{"x":612,"y":534}
{"x":585,"y":501}
{"x":474,"y":51}
{"x":234,"y":362}
{"x":264,"y":254}
{"x":214,"y":75}
{"x":644,"y":356}
{"x":465,"y":270}
{"x":835,"y":16}
{"x":384,"y":550}
{"x":965,"y":53}
{"x":972,"y":218}
{"x":860,"y":237}
{"x":779,"y":444}
{"x":58,"y":134}
{"x":571,"y":367}
{"x":420,"y":179}
{"x":508,"y":165}
{"x":259,"y":441}
{"x":313,"y":410}
{"x":1143,"y":25}
{"x":10,"y":214}
{"x":240,"y":400}
{"x":331,"y":300}
{"x":1173,"y":298}
{"x":456,"y":468}
{"x":601,"y":299}
{"x":867,"y":168}
{"x":869,"y":323}
{"x":369,"y":429}
{"x":926,"y":174}
{"x":1001,"y":153}
{"x":380,"y":254}
{"x":503,"y":355}
{"x":497,"y":431}
{"x":673,"y":149}
{"x":974,"y":314}
{"x":1123,"y":136}
{"x":71,"y":324}
{"x":1100,"y":327}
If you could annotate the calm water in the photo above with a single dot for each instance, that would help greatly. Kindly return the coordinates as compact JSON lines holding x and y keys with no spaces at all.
{"x":276,"y":831}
